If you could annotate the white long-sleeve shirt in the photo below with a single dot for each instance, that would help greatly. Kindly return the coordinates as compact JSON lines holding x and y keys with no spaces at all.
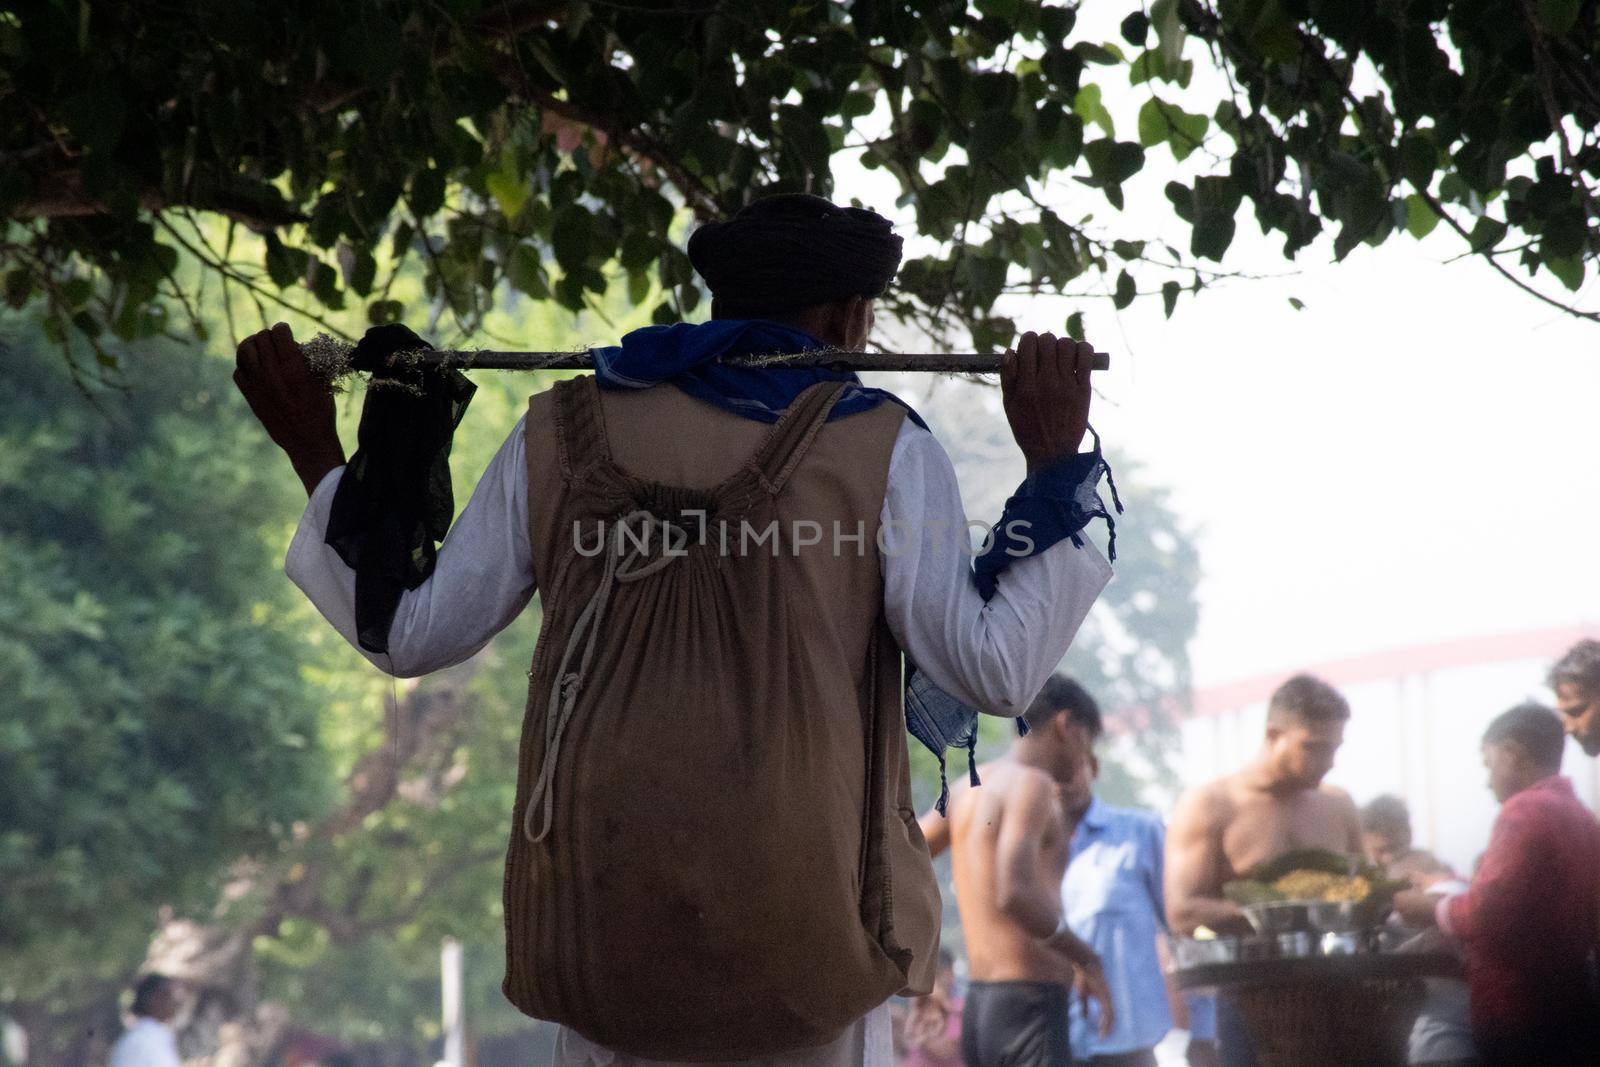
{"x":993,"y":655}
{"x":147,"y":1043}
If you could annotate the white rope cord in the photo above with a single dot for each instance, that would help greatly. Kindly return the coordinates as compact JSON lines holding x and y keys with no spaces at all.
{"x":566,"y":686}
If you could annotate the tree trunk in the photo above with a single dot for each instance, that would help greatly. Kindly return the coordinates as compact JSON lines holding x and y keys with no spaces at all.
{"x":223,"y":1021}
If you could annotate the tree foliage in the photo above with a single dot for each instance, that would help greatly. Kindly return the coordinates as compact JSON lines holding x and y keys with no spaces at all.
{"x":530,"y":146}
{"x":1396,"y":116}
{"x":157,"y":725}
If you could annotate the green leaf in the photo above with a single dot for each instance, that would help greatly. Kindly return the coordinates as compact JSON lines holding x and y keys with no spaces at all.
{"x":1170,"y":36}
{"x":1486,"y":234}
{"x":1113,"y":162}
{"x":1075,"y":325}
{"x":325,"y":284}
{"x":285,"y":265}
{"x":1153,"y":124}
{"x":1088,"y":107}
{"x":856,"y":105}
{"x":427,"y":191}
{"x":1106,"y":55}
{"x":380,"y":312}
{"x":1125,"y":291}
{"x":165,"y":257}
{"x":1565,"y":234}
{"x":1420,"y":219}
{"x":359,"y":267}
{"x":1160,"y":121}
{"x":1558,"y":16}
{"x":525,"y":271}
{"x":1135,"y":28}
{"x":1419,"y":157}
{"x":1569,"y":270}
{"x":1187,"y":131}
{"x":1169,"y":297}
{"x":570,"y":234}
{"x":18,"y":287}
{"x":508,"y":186}
{"x":1297,"y":303}
{"x":639,"y":287}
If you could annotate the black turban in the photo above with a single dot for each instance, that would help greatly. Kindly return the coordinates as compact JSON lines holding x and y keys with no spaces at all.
{"x":794,"y":250}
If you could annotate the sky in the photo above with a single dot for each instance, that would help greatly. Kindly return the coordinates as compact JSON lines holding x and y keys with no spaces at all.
{"x":1405,"y":460}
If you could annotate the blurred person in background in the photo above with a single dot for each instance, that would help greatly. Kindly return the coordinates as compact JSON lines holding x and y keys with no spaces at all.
{"x":1386,"y":837}
{"x":1527,"y":922}
{"x":1442,"y":1034}
{"x":149,"y":1040}
{"x":1576,"y":681}
{"x":1276,"y":803}
{"x":933,"y":1026}
{"x":1009,"y":841}
{"x":1113,"y":899}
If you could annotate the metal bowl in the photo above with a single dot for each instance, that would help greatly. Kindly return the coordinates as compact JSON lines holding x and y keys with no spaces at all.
{"x":1191,"y":953}
{"x":1279,"y":916}
{"x":1345,"y":916}
{"x":1298,"y":945}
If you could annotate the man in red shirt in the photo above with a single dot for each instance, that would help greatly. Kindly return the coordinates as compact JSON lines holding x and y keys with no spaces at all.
{"x":1527,"y":923}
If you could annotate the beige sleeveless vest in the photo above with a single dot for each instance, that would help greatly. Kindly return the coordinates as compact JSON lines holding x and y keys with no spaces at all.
{"x":714,"y":854}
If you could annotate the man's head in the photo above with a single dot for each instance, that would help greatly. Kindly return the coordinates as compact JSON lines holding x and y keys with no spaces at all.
{"x":1305,"y":727}
{"x":156,"y":997}
{"x":1576,"y":680}
{"x":1386,"y":830}
{"x":1063,"y":725}
{"x":800,"y":260}
{"x":1521,"y":747}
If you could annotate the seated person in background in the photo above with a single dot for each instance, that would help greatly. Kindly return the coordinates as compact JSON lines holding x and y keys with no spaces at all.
{"x":1112,"y":898}
{"x":1386,"y":838}
{"x":1442,"y":1034}
{"x":1275,"y":804}
{"x":1527,"y":922}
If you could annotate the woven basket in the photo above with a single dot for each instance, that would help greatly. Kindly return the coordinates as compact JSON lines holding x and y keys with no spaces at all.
{"x":1331,"y":1023}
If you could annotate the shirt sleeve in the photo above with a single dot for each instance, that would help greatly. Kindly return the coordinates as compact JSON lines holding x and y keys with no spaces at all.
{"x":994,"y":655}
{"x":482,"y":579}
{"x":1503,"y":884}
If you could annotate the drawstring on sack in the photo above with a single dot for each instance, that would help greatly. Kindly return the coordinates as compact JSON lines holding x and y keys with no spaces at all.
{"x":566,"y":687}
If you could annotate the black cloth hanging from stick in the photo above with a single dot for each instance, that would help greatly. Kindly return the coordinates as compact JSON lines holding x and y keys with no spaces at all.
{"x":395,"y":500}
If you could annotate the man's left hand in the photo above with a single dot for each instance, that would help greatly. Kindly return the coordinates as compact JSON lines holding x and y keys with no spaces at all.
{"x":1089,"y":982}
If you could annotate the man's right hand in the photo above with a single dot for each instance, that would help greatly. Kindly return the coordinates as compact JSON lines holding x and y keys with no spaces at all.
{"x":1046,"y":388}
{"x":1088,"y":975}
{"x":293,"y":407}
{"x":1089,"y":982}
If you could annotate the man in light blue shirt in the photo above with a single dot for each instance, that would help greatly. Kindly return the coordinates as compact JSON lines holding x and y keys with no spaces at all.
{"x":1112,"y":899}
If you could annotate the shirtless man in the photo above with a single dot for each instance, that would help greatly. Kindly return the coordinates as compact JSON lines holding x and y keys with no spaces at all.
{"x":1275,"y":804}
{"x":1009,"y":841}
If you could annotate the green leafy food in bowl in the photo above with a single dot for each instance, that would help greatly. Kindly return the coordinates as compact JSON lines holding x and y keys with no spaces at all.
{"x":1246,"y":891}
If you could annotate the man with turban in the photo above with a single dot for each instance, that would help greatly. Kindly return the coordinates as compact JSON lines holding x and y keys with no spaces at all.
{"x":788,"y":273}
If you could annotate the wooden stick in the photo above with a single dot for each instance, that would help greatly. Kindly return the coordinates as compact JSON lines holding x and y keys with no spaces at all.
{"x":936,"y":362}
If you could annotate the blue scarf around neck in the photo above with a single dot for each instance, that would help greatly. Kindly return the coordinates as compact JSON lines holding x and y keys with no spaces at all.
{"x":689,"y":355}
